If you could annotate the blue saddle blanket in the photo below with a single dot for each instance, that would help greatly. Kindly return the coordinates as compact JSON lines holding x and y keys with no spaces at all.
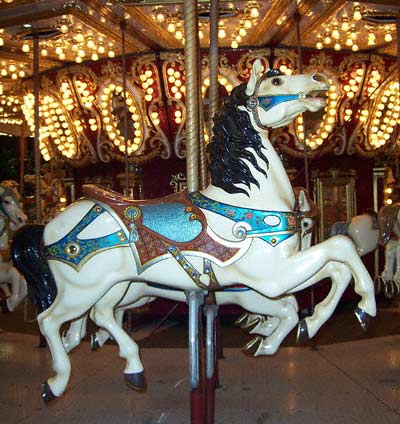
{"x":173,"y":221}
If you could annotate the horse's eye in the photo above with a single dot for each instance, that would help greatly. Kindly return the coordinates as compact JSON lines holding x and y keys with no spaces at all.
{"x":305,"y":224}
{"x":276,"y":81}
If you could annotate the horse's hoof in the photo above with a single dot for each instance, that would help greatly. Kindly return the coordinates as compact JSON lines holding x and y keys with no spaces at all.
{"x":94,"y":342}
{"x":252,"y":346}
{"x":4,"y":306}
{"x":363,"y":318}
{"x":136,"y":381}
{"x":242,"y":319}
{"x":47,"y":394}
{"x":302,"y":332}
{"x":250,"y":323}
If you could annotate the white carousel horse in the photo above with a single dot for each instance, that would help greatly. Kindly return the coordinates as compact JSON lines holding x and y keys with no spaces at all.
{"x":362,"y":229}
{"x":12,"y":218}
{"x":241,"y":228}
{"x":389,"y":236}
{"x":279,"y":320}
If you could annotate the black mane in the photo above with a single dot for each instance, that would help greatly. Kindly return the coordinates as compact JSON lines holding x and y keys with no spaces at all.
{"x":233,"y":136}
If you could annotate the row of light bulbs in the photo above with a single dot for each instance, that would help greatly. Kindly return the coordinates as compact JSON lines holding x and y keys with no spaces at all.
{"x":345,"y":30}
{"x":247,"y":18}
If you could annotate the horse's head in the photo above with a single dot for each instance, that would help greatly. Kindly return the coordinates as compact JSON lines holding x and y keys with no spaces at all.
{"x":363,"y":230}
{"x":276,"y":99}
{"x":9,"y":208}
{"x":388,"y":222}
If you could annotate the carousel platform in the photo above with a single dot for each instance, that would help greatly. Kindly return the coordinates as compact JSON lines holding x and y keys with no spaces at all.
{"x":331,"y":381}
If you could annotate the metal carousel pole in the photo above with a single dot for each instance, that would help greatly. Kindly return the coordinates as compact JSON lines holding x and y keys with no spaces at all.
{"x":195,"y":298}
{"x":37,"y":161}
{"x":306,"y":168}
{"x":213,"y":339}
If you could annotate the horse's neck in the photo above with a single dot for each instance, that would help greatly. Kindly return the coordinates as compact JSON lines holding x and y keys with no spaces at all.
{"x":275,"y":191}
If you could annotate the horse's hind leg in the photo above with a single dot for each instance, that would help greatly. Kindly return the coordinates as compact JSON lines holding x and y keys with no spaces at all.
{"x":75,"y":333}
{"x":101,"y":336}
{"x":340,"y":276}
{"x":103,"y":315}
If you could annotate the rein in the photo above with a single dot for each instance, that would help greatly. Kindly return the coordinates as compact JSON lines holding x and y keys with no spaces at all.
{"x":268,"y":102}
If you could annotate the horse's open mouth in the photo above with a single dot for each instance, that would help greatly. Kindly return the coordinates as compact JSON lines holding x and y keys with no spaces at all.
{"x":317,"y":94}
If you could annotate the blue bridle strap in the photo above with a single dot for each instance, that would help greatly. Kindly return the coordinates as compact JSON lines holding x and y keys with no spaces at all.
{"x":268,"y":102}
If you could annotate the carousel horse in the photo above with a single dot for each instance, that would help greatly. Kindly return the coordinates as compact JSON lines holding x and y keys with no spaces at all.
{"x":389,"y":233}
{"x":12,"y":283}
{"x":362,"y":230}
{"x":279,"y":320}
{"x":243,"y":227}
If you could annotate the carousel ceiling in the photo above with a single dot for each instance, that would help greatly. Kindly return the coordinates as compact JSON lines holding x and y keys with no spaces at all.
{"x":72,"y":32}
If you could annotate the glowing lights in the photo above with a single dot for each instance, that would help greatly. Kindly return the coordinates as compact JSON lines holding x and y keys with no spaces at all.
{"x":112,"y":108}
{"x":329,"y":120}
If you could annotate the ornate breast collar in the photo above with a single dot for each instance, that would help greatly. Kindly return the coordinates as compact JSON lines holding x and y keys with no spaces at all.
{"x":271,"y":226}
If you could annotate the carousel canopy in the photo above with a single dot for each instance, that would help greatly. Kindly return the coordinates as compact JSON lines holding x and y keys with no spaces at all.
{"x":87,"y":34}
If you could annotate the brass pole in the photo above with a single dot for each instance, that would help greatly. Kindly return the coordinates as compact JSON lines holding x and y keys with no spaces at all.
{"x":213,"y":93}
{"x":36,"y":149}
{"x":203,"y":177}
{"x":192,"y":111}
{"x":125,"y":127}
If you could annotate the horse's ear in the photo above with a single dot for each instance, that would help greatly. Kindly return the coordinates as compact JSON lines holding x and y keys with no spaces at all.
{"x":304,"y":204}
{"x":254,"y":75}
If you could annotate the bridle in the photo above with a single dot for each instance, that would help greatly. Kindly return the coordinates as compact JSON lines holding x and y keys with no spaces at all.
{"x":268,"y":102}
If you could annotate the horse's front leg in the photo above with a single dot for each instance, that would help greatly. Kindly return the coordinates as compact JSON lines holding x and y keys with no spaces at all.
{"x":18,"y":288}
{"x":284,"y":310}
{"x":390,"y":257}
{"x":396,"y":277}
{"x":297,"y":271}
{"x":340,"y":276}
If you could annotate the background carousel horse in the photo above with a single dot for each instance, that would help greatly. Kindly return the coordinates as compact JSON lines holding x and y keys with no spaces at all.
{"x":12,"y":218}
{"x":389,"y":233}
{"x":241,"y":228}
{"x":362,"y":230}
{"x":279,"y":320}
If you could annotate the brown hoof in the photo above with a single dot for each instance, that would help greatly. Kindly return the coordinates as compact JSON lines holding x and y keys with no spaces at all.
{"x":252,"y":346}
{"x":136,"y":381}
{"x":363,"y":318}
{"x":94,"y":342}
{"x":302,"y":332}
{"x":47,"y":394}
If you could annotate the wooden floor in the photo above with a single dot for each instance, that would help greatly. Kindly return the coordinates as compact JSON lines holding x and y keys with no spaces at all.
{"x":338,"y":383}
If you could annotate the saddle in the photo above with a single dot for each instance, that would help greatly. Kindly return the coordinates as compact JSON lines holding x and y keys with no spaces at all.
{"x":173,"y":218}
{"x":155,"y":224}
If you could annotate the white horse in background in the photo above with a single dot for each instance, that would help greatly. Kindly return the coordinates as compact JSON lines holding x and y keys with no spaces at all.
{"x":243,"y":228}
{"x":362,"y":229}
{"x":281,"y":315}
{"x":389,"y":237}
{"x":12,"y":218}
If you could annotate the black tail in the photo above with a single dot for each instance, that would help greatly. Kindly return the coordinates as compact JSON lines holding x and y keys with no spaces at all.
{"x":28,"y":258}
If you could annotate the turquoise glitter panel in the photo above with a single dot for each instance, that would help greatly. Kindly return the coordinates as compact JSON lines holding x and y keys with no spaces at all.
{"x":74,"y":251}
{"x":265,"y":224}
{"x":172,"y":221}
